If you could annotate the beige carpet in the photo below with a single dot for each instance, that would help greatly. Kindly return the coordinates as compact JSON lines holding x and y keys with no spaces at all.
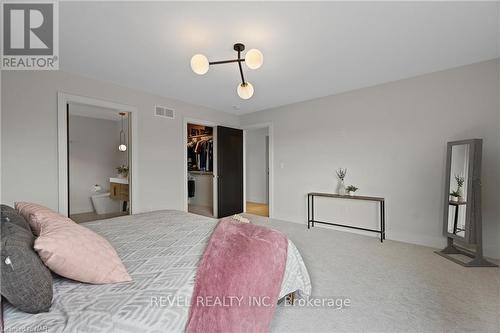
{"x":393,"y":287}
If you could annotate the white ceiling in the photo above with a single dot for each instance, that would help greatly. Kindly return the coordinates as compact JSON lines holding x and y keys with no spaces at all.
{"x":310,"y":49}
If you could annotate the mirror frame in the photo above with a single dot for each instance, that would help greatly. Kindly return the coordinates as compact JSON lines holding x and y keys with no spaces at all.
{"x":473,"y":206}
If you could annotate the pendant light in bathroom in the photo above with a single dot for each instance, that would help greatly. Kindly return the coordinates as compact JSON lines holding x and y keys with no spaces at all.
{"x":122,"y":146}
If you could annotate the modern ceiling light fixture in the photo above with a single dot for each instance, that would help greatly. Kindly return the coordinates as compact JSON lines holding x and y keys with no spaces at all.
{"x":253,"y":59}
{"x":122,"y":146}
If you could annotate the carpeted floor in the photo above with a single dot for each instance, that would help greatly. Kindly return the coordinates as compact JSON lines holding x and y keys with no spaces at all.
{"x":393,"y":287}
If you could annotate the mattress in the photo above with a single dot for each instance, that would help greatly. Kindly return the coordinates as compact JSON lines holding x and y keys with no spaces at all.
{"x":161,"y":251}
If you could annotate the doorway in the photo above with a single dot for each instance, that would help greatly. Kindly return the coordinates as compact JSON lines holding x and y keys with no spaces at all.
{"x":64,"y":102}
{"x":200,"y":169}
{"x":225,"y":173}
{"x":257,"y":171}
{"x":98,"y":162}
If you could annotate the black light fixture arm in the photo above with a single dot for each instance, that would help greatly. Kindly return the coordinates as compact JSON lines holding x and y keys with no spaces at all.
{"x":238,"y":48}
{"x":241,"y":69}
{"x":225,"y":61}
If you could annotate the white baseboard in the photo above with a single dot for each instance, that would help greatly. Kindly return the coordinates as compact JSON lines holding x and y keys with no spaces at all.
{"x":436,"y":242}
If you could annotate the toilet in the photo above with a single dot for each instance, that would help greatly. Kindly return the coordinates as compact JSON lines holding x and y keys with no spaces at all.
{"x":103,"y":204}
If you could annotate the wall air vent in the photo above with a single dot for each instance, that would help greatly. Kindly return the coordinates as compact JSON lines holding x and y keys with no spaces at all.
{"x":162,"y":111}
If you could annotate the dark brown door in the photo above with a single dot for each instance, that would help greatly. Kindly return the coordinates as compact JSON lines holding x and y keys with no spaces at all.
{"x":230,"y":171}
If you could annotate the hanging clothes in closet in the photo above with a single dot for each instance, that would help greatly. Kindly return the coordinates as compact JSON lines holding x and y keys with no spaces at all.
{"x":200,"y":155}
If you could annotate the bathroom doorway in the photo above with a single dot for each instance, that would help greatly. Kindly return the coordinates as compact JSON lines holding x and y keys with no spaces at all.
{"x":98,"y":160}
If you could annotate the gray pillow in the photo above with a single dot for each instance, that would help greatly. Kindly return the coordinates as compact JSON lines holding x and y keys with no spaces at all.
{"x":9,"y":214}
{"x":26,"y":281}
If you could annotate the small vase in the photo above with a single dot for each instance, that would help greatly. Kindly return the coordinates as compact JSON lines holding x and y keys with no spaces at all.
{"x":341,"y":188}
{"x":351,"y":193}
{"x":453,"y":198}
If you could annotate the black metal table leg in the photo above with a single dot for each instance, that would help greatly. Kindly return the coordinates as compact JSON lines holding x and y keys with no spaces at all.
{"x":312,"y":210}
{"x":308,"y":213}
{"x":384,"y":219}
{"x":381,"y":221}
{"x":455,"y":220}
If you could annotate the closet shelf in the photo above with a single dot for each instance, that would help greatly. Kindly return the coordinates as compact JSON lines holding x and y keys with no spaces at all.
{"x":200,"y":136}
{"x":197,"y":172}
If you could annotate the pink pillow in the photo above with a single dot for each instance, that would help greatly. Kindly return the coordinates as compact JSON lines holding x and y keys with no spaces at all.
{"x":38,"y":216}
{"x":72,"y":250}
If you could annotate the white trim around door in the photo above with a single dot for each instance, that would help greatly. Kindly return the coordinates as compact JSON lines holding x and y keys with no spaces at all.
{"x":62,"y":144}
{"x":270,"y":128}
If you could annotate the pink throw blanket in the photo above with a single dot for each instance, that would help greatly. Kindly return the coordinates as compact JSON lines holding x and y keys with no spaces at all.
{"x":238,"y":279}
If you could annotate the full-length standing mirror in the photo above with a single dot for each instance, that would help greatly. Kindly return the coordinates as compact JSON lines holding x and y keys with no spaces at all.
{"x":462,"y":223}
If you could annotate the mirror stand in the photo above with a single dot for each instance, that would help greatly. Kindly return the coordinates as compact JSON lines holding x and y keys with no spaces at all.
{"x":454,"y":249}
{"x":462,"y":219}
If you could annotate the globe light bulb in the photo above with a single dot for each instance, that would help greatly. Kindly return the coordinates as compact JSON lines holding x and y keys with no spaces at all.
{"x":199,"y":64}
{"x":122,"y":147}
{"x":245,"y":90}
{"x":254,"y":59}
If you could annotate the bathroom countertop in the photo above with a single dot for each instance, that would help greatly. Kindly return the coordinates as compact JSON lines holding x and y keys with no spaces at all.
{"x":119,"y":180}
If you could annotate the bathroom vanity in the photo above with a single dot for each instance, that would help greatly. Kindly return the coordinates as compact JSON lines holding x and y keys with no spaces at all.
{"x":119,"y":189}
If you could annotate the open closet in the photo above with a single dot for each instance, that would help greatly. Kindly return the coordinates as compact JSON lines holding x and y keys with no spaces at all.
{"x":214,"y":170}
{"x":200,"y":164}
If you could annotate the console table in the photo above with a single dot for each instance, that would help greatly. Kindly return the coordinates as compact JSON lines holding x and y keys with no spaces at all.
{"x":310,"y":211}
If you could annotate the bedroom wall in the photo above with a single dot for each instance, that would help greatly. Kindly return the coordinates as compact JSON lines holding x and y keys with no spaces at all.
{"x":93,"y":159}
{"x":392,"y":138}
{"x":29,"y":137}
{"x":255,"y":165}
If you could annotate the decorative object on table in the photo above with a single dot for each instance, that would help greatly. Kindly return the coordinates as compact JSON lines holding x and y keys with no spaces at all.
{"x":462,"y":222}
{"x":351,"y":189}
{"x":122,"y":171}
{"x":454,"y":196}
{"x":341,"y":173}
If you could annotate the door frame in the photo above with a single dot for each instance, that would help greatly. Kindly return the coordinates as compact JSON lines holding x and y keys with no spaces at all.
{"x":270,"y":128}
{"x":214,"y":125}
{"x":62,"y":145}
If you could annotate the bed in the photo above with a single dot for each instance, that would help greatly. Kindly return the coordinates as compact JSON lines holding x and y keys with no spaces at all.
{"x":161,"y":251}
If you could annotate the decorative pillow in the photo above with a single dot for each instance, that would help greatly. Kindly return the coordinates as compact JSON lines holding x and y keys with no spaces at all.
{"x":9,"y":214}
{"x":78,"y":253}
{"x":240,"y":218}
{"x":26,"y":281}
{"x":39,"y":216}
